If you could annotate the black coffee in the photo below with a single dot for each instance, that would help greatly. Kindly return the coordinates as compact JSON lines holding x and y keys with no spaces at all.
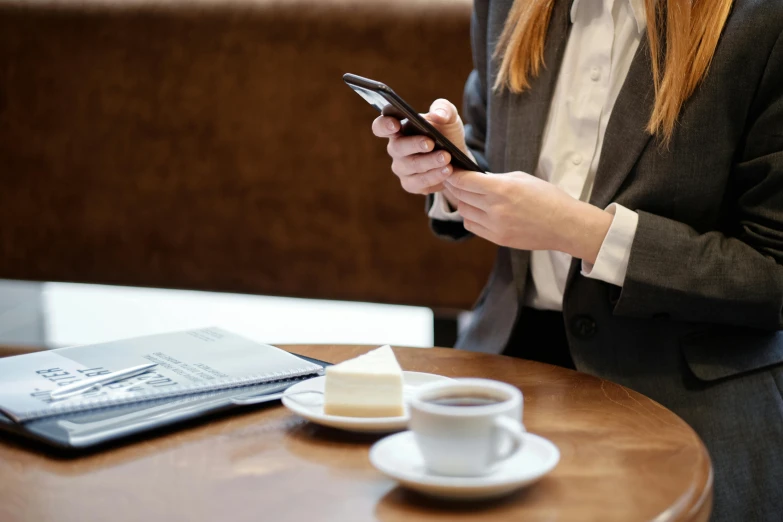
{"x":465,"y":400}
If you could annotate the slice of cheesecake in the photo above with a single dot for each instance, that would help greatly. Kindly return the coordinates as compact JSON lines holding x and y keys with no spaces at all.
{"x":367,"y":386}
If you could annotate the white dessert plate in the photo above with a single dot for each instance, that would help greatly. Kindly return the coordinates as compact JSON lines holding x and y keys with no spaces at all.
{"x":311,"y":405}
{"x":398,"y":457}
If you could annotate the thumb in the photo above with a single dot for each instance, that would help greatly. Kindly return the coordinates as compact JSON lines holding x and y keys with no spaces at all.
{"x":443,"y":112}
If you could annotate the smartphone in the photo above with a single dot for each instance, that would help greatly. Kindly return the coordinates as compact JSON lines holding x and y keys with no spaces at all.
{"x":389,"y":103}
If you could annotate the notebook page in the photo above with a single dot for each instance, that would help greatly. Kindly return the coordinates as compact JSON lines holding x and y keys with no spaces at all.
{"x":188,"y":362}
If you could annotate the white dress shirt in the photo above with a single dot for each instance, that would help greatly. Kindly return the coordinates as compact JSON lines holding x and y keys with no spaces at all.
{"x":603,"y":40}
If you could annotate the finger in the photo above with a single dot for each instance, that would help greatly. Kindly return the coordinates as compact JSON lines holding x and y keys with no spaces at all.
{"x":420,"y":163}
{"x":442,"y":112}
{"x":477,"y":200}
{"x":427,"y":182}
{"x":471,"y":181}
{"x":449,"y":190}
{"x":385,"y":126}
{"x":471,"y":213}
{"x":478,"y":229}
{"x":399,"y":147}
{"x":436,"y":188}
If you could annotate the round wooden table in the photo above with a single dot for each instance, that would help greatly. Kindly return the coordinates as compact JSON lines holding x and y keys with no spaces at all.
{"x":623,"y":458}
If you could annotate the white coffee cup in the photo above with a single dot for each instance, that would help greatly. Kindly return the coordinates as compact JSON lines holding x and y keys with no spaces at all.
{"x":462,"y":440}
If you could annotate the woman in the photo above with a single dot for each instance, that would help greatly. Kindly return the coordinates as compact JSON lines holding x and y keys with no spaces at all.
{"x":636,"y":194}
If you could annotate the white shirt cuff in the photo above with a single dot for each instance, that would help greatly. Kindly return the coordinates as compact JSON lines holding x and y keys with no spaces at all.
{"x":612,"y":261}
{"x":441,"y":210}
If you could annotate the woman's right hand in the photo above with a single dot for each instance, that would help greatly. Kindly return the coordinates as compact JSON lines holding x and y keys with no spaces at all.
{"x":420,"y":169}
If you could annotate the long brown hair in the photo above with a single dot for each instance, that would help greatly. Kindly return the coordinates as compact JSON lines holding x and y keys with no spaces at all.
{"x":693,"y":28}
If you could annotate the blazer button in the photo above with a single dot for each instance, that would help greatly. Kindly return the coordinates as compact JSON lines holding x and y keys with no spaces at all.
{"x":583,"y":326}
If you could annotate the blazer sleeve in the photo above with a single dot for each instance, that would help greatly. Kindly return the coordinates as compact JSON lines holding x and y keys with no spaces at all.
{"x":474,"y":113}
{"x":712,"y":277}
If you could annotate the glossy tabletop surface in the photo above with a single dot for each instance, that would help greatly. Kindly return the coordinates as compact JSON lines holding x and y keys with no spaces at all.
{"x":623,"y":458}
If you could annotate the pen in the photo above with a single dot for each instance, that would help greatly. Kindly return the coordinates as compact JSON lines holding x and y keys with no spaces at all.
{"x":96,"y":382}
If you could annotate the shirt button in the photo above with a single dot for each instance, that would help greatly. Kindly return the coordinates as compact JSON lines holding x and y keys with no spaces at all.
{"x":577,"y":159}
{"x":595,"y":74}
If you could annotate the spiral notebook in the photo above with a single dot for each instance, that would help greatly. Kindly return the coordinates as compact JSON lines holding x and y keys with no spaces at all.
{"x":188,"y":362}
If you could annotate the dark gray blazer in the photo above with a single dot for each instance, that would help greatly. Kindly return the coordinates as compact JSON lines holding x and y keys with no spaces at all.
{"x":697,"y":323}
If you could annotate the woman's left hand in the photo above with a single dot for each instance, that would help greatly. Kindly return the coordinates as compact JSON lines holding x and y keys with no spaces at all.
{"x":521,"y":211}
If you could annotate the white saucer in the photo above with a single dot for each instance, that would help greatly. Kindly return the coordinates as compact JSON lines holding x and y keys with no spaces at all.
{"x":397,"y":456}
{"x":311,"y":406}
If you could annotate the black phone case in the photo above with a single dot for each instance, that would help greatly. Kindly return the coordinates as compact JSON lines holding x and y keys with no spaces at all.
{"x":389,"y":103}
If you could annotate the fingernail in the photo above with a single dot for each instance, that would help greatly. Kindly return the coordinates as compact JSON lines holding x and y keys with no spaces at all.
{"x":445,"y":170}
{"x":441,"y":113}
{"x":425,"y":145}
{"x":390,"y":125}
{"x":441,"y":158}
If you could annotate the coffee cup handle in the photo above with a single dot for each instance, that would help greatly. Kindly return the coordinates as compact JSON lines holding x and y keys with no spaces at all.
{"x":515,"y":430}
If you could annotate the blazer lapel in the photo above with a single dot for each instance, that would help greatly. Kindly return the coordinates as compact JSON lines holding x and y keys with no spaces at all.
{"x":626,"y":134}
{"x":527,"y":112}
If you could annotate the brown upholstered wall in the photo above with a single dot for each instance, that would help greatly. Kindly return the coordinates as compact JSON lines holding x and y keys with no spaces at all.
{"x":212,"y":144}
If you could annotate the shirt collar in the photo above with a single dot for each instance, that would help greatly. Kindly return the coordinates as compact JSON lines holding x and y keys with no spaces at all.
{"x":637,"y":7}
